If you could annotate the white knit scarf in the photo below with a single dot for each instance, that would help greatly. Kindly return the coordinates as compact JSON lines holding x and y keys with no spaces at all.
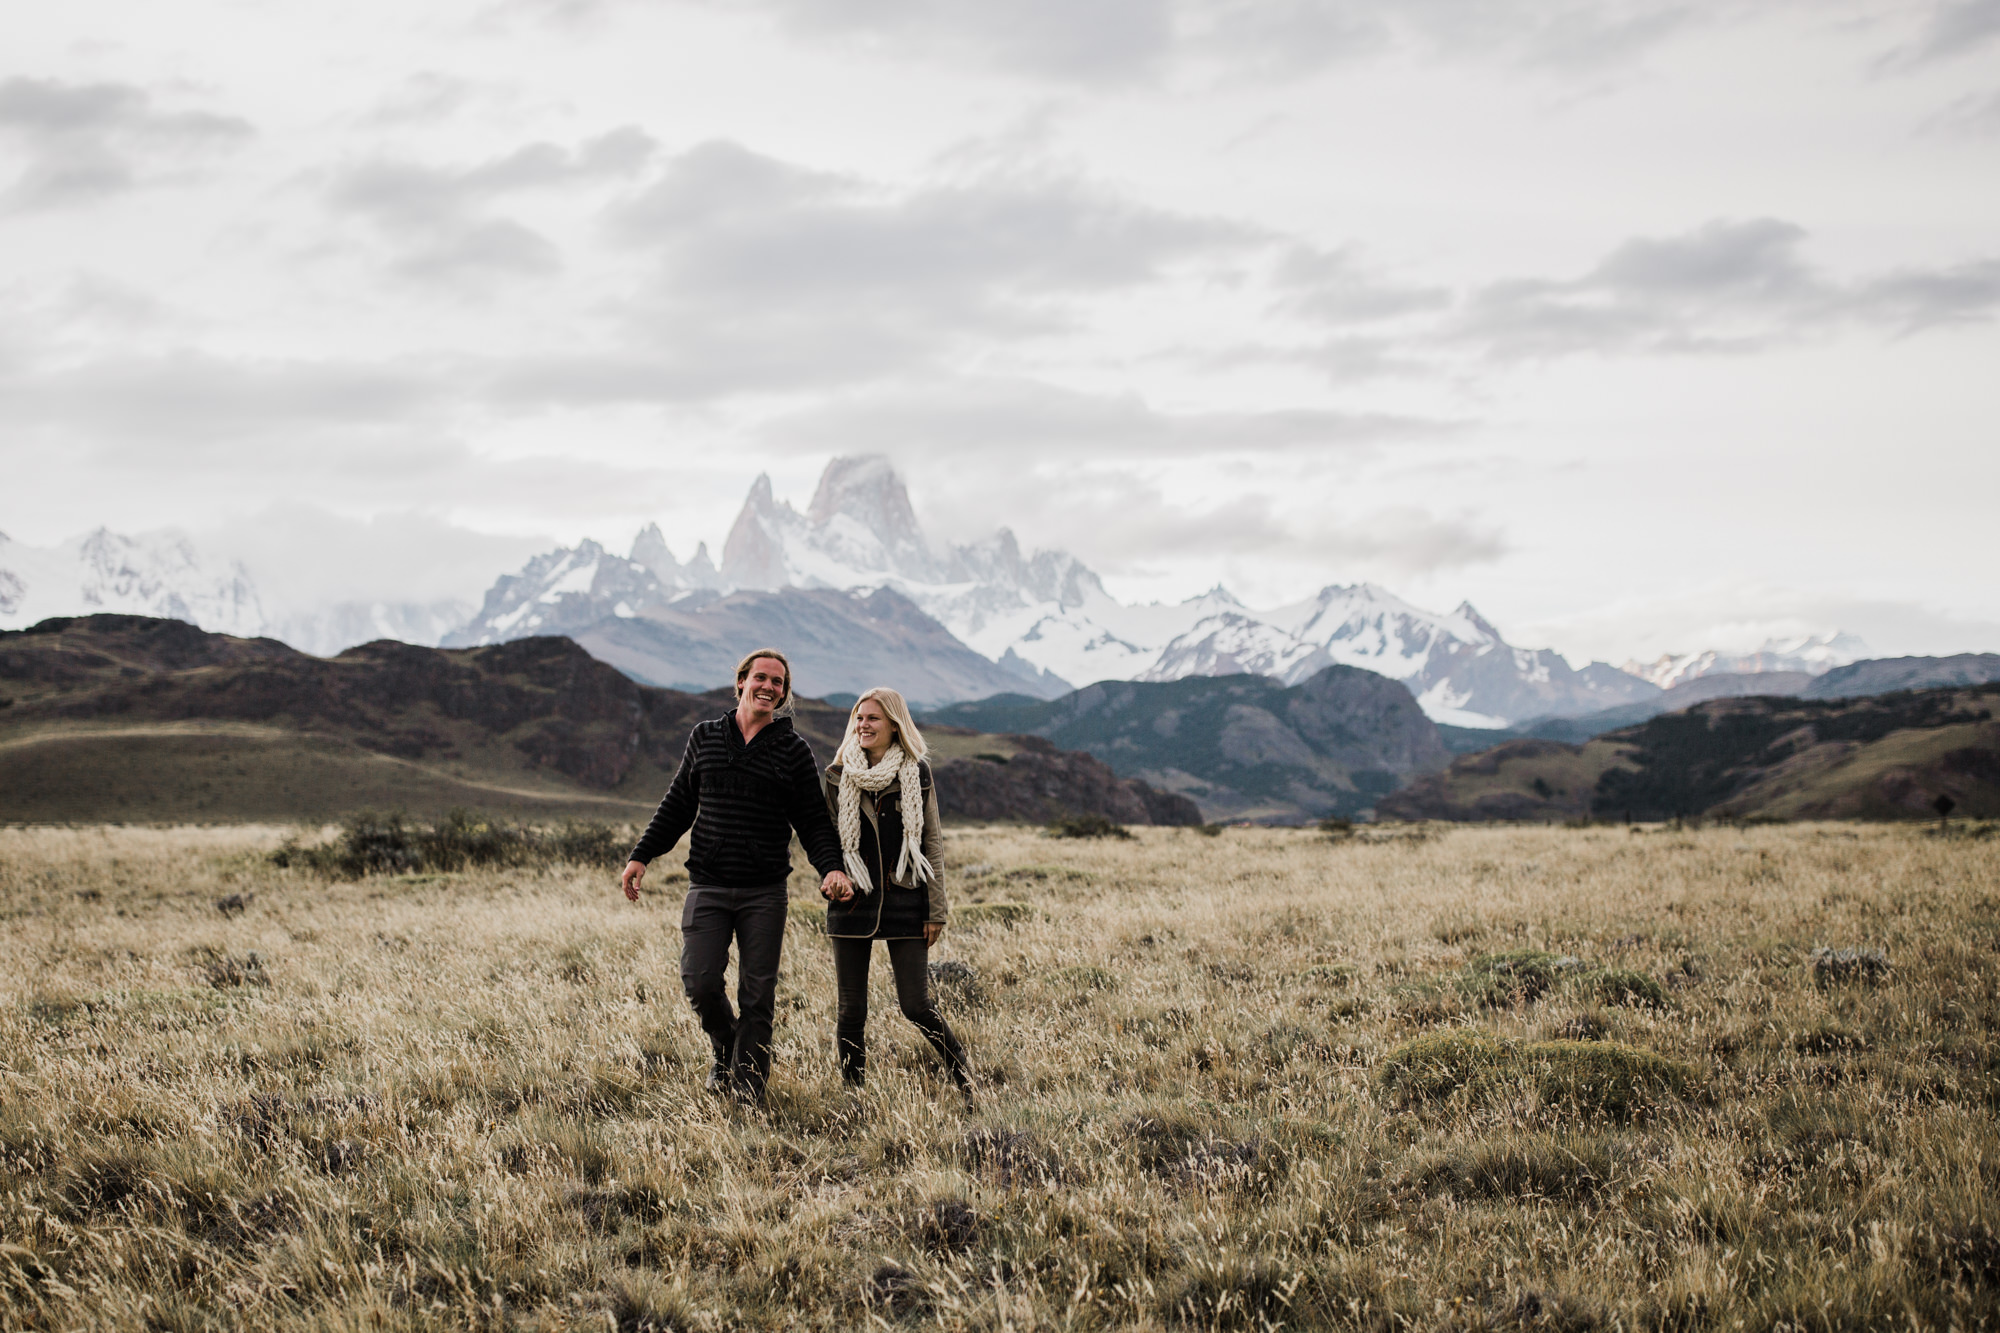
{"x":856,"y":776}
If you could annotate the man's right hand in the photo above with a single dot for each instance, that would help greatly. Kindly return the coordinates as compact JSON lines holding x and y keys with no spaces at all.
{"x":635,"y":871}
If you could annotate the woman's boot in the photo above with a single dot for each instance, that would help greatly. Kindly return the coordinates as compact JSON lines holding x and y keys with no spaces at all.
{"x":957,"y":1065}
{"x":853,"y":1063}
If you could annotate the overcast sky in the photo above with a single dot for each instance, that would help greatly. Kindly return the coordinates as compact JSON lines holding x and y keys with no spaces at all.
{"x":1644,"y":325}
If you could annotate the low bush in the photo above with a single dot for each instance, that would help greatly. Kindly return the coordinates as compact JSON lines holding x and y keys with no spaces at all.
{"x":1571,"y":1168}
{"x":1604,"y":1077}
{"x":974,"y":915}
{"x":1087,"y":978}
{"x":1835,"y":966}
{"x":394,"y":844}
{"x":1601,"y":1077}
{"x":1087,"y":826}
{"x":1525,"y":974}
{"x":1439,"y":1063}
{"x":1615,"y":985}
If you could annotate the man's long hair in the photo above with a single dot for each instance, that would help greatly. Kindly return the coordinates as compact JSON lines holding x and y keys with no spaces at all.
{"x":892,"y":703}
{"x":784,"y":708}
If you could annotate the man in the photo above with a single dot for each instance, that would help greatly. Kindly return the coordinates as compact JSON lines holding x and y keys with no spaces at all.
{"x":746,"y":781}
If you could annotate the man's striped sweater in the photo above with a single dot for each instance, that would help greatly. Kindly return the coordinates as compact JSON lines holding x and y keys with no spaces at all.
{"x":743,"y":801}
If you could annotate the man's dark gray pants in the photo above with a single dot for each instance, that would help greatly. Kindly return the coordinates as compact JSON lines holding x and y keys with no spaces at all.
{"x":754,"y":918}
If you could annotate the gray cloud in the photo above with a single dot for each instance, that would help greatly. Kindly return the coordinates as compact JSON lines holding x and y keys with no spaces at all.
{"x":1121,"y":522}
{"x":1726,"y":286}
{"x":303,"y":556}
{"x":1331,"y":287}
{"x":423,"y":98}
{"x":1302,"y":36}
{"x":88,"y":141}
{"x":768,"y":276}
{"x":1955,"y":29}
{"x":1407,"y":539}
{"x":1053,"y":38}
{"x":1133,"y":519}
{"x":1132,"y":40}
{"x":1976,"y":117}
{"x":131,"y":406}
{"x":1033,"y":421}
{"x":438,"y":219}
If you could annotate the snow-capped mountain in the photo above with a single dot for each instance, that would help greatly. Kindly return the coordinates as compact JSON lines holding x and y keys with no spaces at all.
{"x":329,"y":630}
{"x":164,"y":574}
{"x":984,"y":616}
{"x":1458,"y":666}
{"x":573,"y":587}
{"x":1813,"y":654}
{"x":157,"y":574}
{"x":1050,"y":611}
{"x":664,"y":623}
{"x":1045,"y":617}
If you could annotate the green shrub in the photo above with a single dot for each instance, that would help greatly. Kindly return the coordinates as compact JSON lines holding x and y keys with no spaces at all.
{"x":1605,"y":1077}
{"x":1602,"y":1077}
{"x":1615,"y":985}
{"x":1524,"y":973}
{"x":1087,"y":826}
{"x":394,"y":844}
{"x":1571,"y":1168}
{"x":1439,"y":1063}
{"x":973,"y":915}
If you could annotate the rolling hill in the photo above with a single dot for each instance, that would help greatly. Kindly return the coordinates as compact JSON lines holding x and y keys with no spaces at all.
{"x":133,"y":718}
{"x":1884,"y":756}
{"x":1243,"y":747}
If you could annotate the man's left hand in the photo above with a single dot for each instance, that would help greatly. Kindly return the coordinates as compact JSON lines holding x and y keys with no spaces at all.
{"x":836,"y":887}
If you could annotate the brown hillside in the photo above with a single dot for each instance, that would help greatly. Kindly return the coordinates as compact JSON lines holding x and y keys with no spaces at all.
{"x":137,"y":719}
{"x":1522,"y":779}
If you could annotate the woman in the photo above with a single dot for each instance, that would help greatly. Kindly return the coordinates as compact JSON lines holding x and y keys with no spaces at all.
{"x":884,"y":807}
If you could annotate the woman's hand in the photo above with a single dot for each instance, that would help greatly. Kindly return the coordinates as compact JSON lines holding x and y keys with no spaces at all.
{"x":836,"y":887}
{"x":635,"y":871}
{"x":932,"y":929}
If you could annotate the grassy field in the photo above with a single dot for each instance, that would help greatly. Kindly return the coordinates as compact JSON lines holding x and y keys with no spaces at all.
{"x":1414,"y":1078}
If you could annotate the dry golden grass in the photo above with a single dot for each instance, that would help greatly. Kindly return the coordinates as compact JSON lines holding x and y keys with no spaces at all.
{"x":1250,"y":1081}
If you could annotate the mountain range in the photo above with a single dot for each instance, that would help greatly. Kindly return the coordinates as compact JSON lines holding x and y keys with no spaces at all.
{"x":1883,"y":756}
{"x":118,"y":717}
{"x":1242,"y":746}
{"x":1855,"y":680}
{"x":1042,"y":618}
{"x":856,"y":583}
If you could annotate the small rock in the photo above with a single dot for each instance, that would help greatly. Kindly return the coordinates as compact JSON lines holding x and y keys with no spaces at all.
{"x":956,"y":984}
{"x":949,"y":1226}
{"x":1831,"y":966}
{"x":235,"y":903}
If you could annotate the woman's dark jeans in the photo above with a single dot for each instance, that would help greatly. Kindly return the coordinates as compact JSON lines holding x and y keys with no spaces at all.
{"x":909,"y":960}
{"x":755,"y":919}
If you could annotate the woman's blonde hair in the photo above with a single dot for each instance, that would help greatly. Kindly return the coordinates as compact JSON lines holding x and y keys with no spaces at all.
{"x":784,"y":708}
{"x":892,"y":703}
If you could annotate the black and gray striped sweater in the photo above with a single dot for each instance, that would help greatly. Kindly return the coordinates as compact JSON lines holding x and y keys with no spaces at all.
{"x":743,"y":801}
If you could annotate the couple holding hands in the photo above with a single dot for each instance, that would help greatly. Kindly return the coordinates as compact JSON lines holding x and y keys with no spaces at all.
{"x":869,"y":825}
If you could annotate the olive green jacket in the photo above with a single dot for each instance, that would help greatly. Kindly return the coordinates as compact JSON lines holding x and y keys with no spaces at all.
{"x":931,"y":842}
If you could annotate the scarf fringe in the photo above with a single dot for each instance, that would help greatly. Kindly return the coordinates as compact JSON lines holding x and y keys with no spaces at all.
{"x":858,"y":775}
